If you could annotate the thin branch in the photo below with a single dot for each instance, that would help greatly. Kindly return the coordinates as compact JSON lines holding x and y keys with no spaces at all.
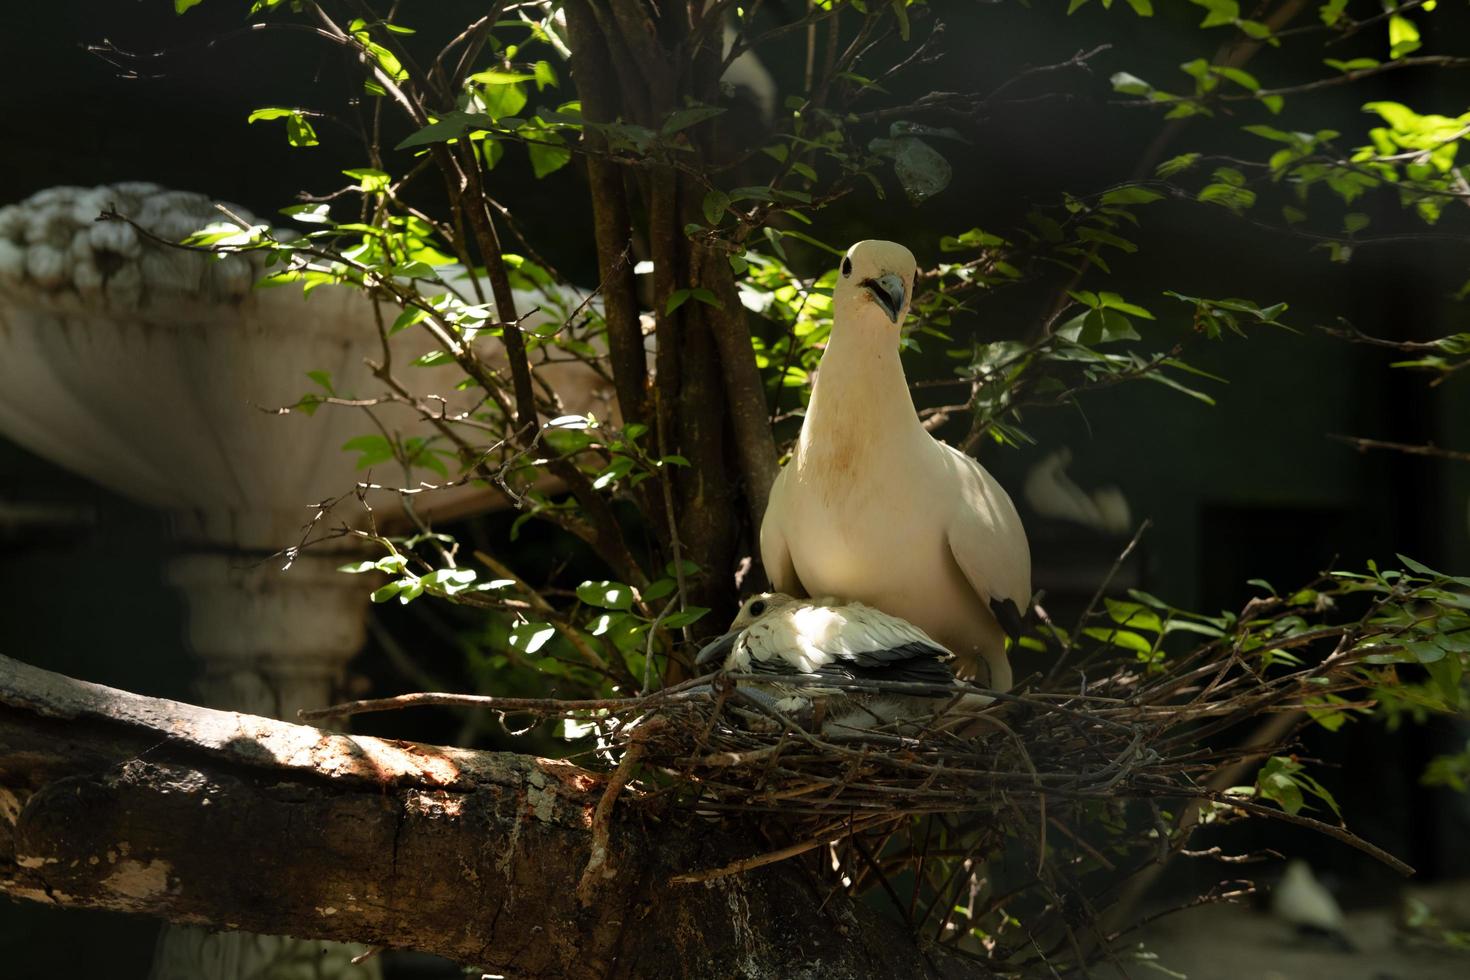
{"x":1363,"y":444}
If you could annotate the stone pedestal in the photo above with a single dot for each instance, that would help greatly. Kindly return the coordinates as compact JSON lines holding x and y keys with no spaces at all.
{"x":271,"y":642}
{"x":152,"y":371}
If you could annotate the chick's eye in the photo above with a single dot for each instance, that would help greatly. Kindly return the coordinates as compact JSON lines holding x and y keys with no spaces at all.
{"x":846,"y":267}
{"x":757,"y":607}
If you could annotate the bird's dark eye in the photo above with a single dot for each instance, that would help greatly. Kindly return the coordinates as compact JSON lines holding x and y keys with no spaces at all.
{"x":757,"y":607}
{"x":846,"y":267}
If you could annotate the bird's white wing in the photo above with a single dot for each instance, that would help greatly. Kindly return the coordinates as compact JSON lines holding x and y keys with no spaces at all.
{"x":775,"y":550}
{"x":986,"y":537}
{"x":857,"y":641}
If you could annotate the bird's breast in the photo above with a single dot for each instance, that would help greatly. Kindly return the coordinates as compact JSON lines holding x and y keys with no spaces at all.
{"x":882,"y":541}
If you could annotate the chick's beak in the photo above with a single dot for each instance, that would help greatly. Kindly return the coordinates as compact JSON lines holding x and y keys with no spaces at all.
{"x":888,"y":290}
{"x":716,"y":650}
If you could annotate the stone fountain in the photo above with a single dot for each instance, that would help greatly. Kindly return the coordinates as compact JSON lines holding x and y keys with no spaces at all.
{"x":151,"y":371}
{"x":155,"y":372}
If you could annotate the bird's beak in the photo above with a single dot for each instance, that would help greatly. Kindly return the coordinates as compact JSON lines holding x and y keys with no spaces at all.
{"x":716,"y":650}
{"x":888,"y":290}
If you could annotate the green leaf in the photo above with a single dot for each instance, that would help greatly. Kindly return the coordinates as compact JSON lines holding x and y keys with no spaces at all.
{"x":1134,"y":615}
{"x":974,"y":238}
{"x":606,"y":595}
{"x":1126,"y":639}
{"x":1143,"y":8}
{"x":392,"y":564}
{"x":407,"y":319}
{"x":1228,"y":195}
{"x":1355,"y":64}
{"x":715,"y":204}
{"x":1131,"y":194}
{"x":1219,"y":13}
{"x":1416,"y":566}
{"x":531,"y":637}
{"x":502,"y":101}
{"x":182,"y":5}
{"x":317,"y":213}
{"x":1331,"y":11}
{"x":677,"y":298}
{"x":1177,"y":165}
{"x":451,"y":125}
{"x":1199,"y":69}
{"x":388,"y":591}
{"x":1425,"y":651}
{"x":298,"y":130}
{"x":620,"y":467}
{"x":450,"y":581}
{"x":1276,"y":782}
{"x":686,"y":566}
{"x":1272,"y":133}
{"x":1101,"y":237}
{"x":370,"y":181}
{"x":1403,"y":36}
{"x":1159,"y":377}
{"x":373,"y":450}
{"x":684,"y":617}
{"x":660,"y":588}
{"x":681,"y":119}
{"x":1113,"y":301}
{"x":1239,"y":76}
{"x":921,"y":170}
{"x":1128,"y":84}
{"x":1255,"y":30}
{"x":496,"y":76}
{"x":547,"y":159}
{"x":900,"y":11}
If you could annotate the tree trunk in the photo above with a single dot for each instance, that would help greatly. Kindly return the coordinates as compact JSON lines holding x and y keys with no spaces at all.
{"x":116,"y":801}
{"x":633,"y":65}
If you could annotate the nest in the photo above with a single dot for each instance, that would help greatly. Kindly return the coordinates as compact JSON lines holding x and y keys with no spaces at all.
{"x":1031,"y":762}
{"x":1074,"y":786}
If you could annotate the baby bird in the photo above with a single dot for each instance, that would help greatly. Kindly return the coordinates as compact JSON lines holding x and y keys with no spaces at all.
{"x":777,"y":635}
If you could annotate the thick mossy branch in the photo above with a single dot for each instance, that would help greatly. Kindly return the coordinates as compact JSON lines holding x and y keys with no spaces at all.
{"x":116,"y":801}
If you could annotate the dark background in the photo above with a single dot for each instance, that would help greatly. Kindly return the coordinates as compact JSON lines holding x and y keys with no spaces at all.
{"x":1251,"y":488}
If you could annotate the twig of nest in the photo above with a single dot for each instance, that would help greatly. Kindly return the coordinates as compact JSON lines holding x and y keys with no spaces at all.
{"x":1115,"y":739}
{"x":1107,"y":766}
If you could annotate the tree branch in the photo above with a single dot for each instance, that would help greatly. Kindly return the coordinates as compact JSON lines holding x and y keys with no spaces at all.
{"x":1362,"y":445}
{"x":116,"y":801}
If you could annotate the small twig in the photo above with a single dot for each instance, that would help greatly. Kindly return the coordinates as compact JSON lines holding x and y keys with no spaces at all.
{"x":597,"y":864}
{"x":1363,"y":444}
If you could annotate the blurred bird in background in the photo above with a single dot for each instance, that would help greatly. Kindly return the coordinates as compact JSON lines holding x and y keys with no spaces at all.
{"x":1305,"y":903}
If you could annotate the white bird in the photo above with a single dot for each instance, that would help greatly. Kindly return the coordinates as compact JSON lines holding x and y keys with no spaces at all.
{"x":1300,"y":899}
{"x":777,"y":635}
{"x":1052,"y":493}
{"x":873,"y":508}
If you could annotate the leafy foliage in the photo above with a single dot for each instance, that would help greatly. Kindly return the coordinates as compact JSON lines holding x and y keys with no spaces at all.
{"x":737,"y":236}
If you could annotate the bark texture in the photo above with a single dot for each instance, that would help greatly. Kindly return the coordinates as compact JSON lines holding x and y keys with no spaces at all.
{"x":116,"y":801}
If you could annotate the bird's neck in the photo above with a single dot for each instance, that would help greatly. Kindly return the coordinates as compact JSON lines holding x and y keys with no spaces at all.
{"x":861,"y":397}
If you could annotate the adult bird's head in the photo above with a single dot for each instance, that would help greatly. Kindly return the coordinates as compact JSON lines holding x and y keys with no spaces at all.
{"x":875,"y":284}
